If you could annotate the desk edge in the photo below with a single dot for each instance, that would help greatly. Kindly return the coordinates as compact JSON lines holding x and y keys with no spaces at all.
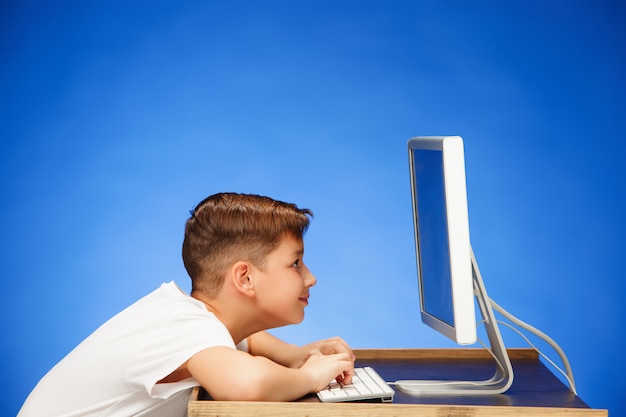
{"x":448,"y":353}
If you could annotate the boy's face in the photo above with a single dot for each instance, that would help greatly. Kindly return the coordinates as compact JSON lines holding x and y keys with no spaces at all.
{"x":282,"y":287}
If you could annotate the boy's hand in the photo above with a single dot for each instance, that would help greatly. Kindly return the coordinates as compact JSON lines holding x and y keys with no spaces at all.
{"x":324,"y":367}
{"x":329,"y":346}
{"x":333,"y":347}
{"x":292,"y":356}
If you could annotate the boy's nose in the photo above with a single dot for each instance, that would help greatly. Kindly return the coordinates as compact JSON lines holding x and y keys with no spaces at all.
{"x":310,"y":279}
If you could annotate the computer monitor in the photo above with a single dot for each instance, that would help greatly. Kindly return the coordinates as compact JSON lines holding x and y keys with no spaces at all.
{"x":442,"y":241}
{"x":449,"y":281}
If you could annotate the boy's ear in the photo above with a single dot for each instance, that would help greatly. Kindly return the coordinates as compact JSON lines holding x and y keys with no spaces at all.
{"x":240,"y":275}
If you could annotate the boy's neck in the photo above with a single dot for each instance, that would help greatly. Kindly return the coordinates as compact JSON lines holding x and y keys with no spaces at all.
{"x":237,"y":322}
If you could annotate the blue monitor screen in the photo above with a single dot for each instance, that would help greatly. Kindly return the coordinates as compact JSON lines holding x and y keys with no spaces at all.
{"x":432,"y":229}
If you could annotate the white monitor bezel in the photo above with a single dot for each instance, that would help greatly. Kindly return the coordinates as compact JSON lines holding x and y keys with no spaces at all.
{"x":464,"y":329}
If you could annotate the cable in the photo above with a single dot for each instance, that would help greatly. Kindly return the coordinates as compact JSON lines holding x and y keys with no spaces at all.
{"x":570,"y":375}
{"x":543,"y":355}
{"x":488,"y":349}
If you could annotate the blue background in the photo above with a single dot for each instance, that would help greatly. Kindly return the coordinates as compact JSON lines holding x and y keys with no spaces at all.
{"x":117,"y":117}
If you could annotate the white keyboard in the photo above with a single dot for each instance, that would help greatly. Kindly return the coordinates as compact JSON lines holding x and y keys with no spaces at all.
{"x":366,"y":385}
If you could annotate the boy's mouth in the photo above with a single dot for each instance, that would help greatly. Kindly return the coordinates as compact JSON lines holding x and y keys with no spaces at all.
{"x":305,"y":300}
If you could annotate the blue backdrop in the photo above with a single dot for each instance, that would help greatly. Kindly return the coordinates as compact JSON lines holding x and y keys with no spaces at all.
{"x":117,"y":117}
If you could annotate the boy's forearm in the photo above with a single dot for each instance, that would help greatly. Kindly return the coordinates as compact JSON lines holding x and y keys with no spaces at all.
{"x":232,"y":375}
{"x":293,"y":356}
{"x":279,"y":383}
{"x":274,"y":382}
{"x":266,"y":345}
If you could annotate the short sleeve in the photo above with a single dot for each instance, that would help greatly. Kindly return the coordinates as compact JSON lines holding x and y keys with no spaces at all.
{"x":171,"y":343}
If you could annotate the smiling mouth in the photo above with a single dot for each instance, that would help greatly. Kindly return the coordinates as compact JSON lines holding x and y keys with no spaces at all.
{"x":305,"y":300}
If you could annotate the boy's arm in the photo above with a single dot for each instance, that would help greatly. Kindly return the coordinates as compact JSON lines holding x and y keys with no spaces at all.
{"x":229,"y":374}
{"x":293,"y":356}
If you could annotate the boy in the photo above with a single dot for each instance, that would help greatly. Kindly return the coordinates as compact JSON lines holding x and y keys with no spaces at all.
{"x":244,"y":256}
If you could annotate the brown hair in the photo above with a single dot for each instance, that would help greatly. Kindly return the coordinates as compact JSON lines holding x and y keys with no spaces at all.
{"x":228,"y":227}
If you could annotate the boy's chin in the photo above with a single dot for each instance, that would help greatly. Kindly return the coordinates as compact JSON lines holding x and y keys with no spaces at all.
{"x":295,"y":320}
{"x":298,"y":320}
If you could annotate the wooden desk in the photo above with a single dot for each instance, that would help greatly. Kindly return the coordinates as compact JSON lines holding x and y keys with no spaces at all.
{"x":535,"y":391}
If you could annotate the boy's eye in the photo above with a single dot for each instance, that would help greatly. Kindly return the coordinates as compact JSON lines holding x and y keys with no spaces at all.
{"x":297,"y":263}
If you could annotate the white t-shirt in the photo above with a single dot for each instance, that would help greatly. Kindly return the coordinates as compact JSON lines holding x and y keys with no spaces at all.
{"x":114,"y":372}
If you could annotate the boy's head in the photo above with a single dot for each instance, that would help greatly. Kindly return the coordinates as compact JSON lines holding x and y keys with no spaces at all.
{"x":229,"y":227}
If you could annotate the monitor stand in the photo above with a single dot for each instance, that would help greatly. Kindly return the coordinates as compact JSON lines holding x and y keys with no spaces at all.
{"x":498,"y":383}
